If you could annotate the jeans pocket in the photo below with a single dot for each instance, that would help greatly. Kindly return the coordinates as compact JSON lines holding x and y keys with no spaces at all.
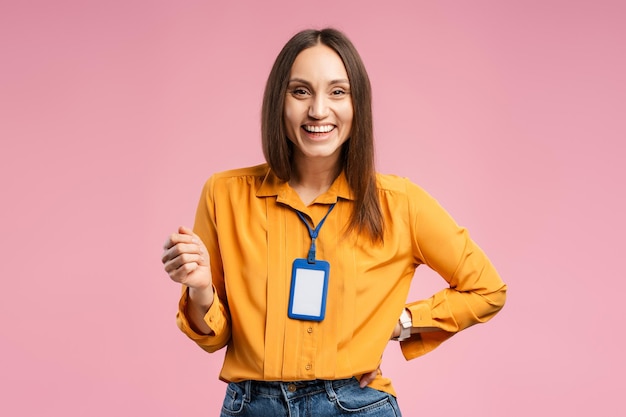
{"x":234,"y":400}
{"x":363,"y":401}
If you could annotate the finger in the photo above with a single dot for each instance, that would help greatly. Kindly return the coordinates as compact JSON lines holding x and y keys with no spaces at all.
{"x":180,"y":248}
{"x":173,"y":264}
{"x":181,"y":274}
{"x":188,"y":232}
{"x":367,"y":378}
{"x":185,"y":231}
{"x":176,"y":238}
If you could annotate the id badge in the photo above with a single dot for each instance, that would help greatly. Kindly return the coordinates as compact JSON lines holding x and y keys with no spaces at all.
{"x":309,"y":285}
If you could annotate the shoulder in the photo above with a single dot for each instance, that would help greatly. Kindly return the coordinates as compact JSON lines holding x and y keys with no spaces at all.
{"x":395,"y":191}
{"x":249,"y":175}
{"x":257,"y":171}
{"x":235,"y":180}
{"x":394,"y":185}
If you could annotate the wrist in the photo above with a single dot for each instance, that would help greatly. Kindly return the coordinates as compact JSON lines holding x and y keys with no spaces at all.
{"x":396,"y":331}
{"x":201,"y":297}
{"x":402,"y":331}
{"x":198,"y":304}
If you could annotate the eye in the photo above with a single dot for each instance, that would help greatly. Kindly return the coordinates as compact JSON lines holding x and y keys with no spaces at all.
{"x":299,"y":92}
{"x":338,"y":92}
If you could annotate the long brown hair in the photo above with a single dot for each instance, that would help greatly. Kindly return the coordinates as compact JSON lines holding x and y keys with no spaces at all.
{"x":358,"y":151}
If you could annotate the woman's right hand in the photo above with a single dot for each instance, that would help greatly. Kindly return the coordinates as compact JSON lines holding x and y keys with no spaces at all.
{"x":186,"y":260}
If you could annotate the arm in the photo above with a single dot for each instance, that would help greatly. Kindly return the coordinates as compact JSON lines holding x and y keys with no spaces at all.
{"x":185,"y":259}
{"x":398,"y":334}
{"x":475,"y":292}
{"x":203,"y":311}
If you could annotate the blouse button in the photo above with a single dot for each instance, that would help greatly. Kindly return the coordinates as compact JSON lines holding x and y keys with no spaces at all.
{"x":308,"y":366}
{"x":309,"y":330}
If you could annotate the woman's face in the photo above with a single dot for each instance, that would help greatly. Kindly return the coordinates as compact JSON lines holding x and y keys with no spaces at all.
{"x":318,"y":107}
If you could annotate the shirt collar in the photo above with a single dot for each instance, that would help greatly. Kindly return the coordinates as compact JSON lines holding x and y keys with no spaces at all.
{"x":273,"y":186}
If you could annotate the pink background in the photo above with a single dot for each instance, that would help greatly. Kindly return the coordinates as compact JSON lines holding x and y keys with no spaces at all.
{"x":113,"y":114}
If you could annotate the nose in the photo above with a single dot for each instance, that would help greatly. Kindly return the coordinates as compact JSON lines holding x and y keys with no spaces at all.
{"x":319,"y":108}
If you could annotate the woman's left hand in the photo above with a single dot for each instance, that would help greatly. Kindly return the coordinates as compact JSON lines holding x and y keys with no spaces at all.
{"x":369,"y":377}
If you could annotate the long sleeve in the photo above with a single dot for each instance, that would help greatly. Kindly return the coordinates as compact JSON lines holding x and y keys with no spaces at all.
{"x":218,"y":316}
{"x":246,"y":219}
{"x":475,"y":293}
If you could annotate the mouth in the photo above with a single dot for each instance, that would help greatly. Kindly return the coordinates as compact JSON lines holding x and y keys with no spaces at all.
{"x":318,"y":129}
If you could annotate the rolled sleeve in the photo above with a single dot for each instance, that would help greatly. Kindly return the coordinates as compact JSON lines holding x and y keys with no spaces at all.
{"x":215,"y":318}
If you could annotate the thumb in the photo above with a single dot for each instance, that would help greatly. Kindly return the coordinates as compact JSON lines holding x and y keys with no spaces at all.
{"x":204,"y":256}
{"x":367,"y":378}
{"x":183,"y":230}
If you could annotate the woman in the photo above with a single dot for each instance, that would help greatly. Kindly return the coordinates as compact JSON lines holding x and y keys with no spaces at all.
{"x":306,"y":311}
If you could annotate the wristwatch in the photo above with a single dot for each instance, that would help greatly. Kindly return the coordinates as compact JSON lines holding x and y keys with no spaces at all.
{"x":405,"y":326}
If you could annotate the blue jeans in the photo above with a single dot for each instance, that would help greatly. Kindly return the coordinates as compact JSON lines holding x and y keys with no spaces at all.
{"x":307,"y":399}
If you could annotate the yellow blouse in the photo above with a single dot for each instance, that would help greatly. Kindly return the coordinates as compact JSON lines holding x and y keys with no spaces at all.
{"x":247,"y":220}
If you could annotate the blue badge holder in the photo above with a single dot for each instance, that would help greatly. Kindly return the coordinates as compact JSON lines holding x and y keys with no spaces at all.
{"x":309,"y":287}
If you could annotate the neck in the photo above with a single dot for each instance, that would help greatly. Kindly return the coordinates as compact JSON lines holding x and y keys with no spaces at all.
{"x":313,"y":178}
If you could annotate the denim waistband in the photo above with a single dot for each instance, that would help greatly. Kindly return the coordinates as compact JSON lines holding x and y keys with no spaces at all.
{"x":295,"y":388}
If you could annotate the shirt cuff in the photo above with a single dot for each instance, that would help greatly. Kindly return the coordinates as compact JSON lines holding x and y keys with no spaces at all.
{"x":421,"y":343}
{"x":215,"y":318}
{"x":421,"y":315}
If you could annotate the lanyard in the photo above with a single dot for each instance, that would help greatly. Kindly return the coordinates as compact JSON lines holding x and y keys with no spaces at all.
{"x":314,"y":232}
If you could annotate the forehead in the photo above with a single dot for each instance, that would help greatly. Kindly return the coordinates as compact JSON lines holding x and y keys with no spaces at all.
{"x":318,"y":63}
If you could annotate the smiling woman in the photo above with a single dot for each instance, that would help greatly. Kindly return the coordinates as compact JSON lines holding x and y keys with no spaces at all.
{"x":318,"y":119}
{"x":358,"y":152}
{"x":306,"y":312}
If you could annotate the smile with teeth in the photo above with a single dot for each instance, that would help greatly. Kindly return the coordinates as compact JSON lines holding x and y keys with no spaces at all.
{"x":318,"y":129}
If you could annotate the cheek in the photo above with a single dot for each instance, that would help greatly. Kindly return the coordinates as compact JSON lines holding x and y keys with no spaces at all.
{"x":347,"y":114}
{"x":287,"y":115}
{"x":348,"y":109}
{"x":290,"y":115}
{"x":289,"y":127}
{"x":290,"y":122}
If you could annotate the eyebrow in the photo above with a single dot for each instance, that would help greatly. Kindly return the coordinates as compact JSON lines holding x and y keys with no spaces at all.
{"x":332,"y":82}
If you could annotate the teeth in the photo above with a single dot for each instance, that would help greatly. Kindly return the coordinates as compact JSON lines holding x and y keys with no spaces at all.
{"x":319,"y":129}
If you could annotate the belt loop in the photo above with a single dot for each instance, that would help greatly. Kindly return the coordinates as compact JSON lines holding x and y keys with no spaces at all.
{"x":247,"y":396}
{"x":330,"y":390}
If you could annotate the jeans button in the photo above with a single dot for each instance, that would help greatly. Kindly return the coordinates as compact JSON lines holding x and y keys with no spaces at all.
{"x":291,"y":388}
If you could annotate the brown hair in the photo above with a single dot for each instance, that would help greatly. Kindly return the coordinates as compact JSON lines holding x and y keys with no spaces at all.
{"x":357,"y":153}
